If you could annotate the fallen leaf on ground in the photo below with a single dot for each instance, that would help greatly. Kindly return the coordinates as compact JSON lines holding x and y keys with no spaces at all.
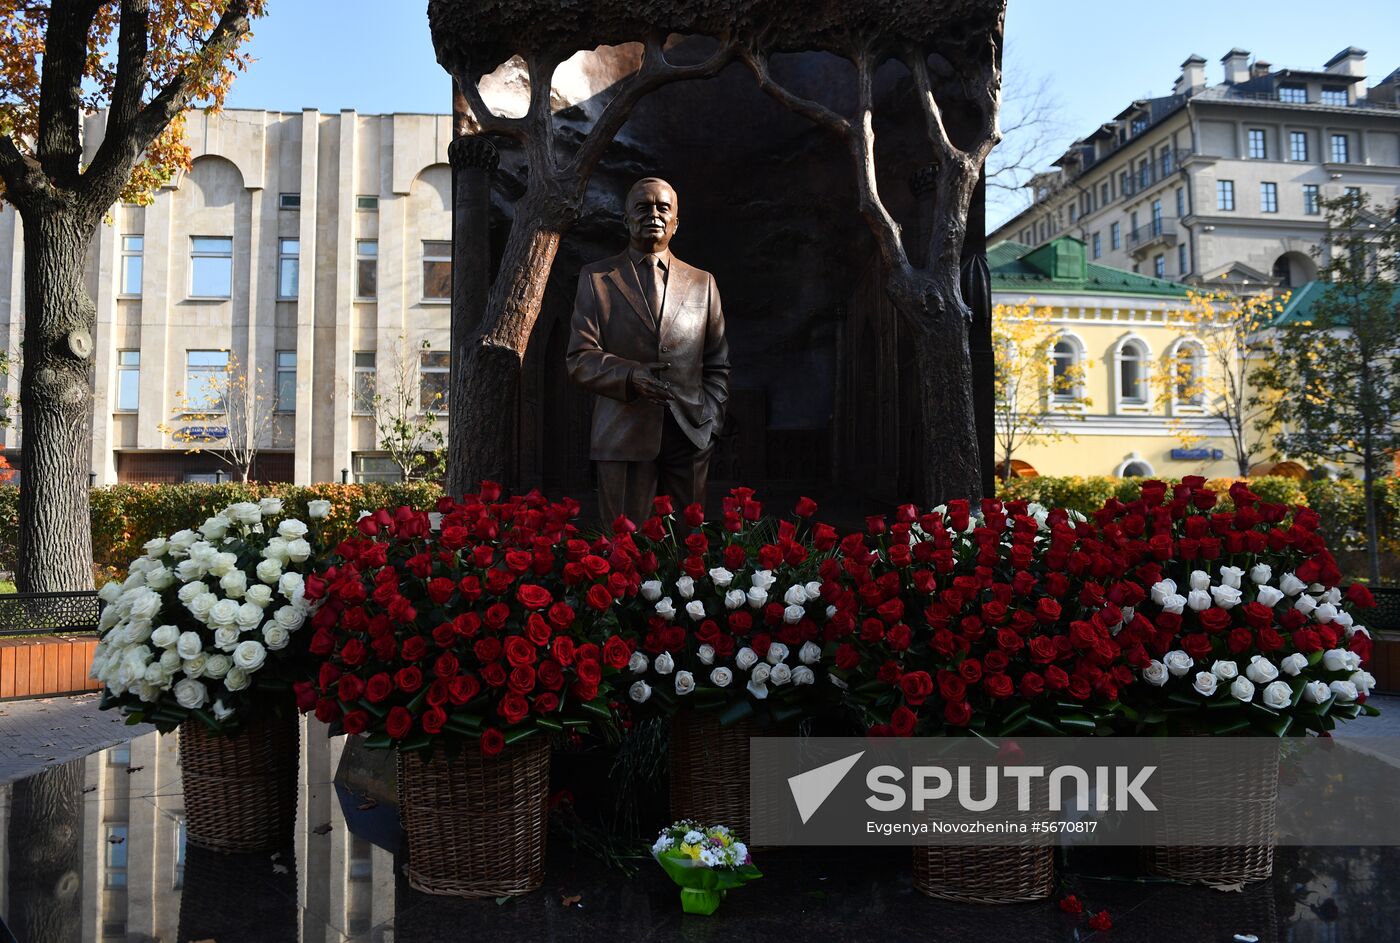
{"x":570,"y":900}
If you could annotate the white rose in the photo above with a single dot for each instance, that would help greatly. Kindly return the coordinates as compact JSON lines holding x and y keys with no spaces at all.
{"x":276,"y":549}
{"x":745,"y":658}
{"x":289,"y":618}
{"x":760,"y":674}
{"x":721,"y":676}
{"x":814,"y":591}
{"x":1174,"y":603}
{"x":1232,"y":576}
{"x":110,"y":592}
{"x":639,"y":691}
{"x":1344,"y":619}
{"x":189,"y":644}
{"x":721,"y":577}
{"x":1364,"y":682}
{"x":1242,"y":689}
{"x":221,"y":564}
{"x":137,"y":630}
{"x":1155,"y":673}
{"x":259,"y":594}
{"x":1325,"y":613}
{"x":269,"y":571}
{"x":224,"y":612}
{"x":757,"y":597}
{"x":1199,"y":579}
{"x":794,"y":614}
{"x":187,"y":571}
{"x":695,"y":609}
{"x":1333,"y":595}
{"x":275,"y":637}
{"x":218,"y":665}
{"x":234,"y":583}
{"x":1226,"y":597}
{"x":318,"y":509}
{"x":810,"y":653}
{"x":777,"y":653}
{"x":290,"y":583}
{"x":803,"y":675}
{"x":189,"y":591}
{"x":1178,"y":663}
{"x":1260,"y":670}
{"x":1198,"y":600}
{"x":1305,"y":604}
{"x":215,"y":528}
{"x":665,"y":608}
{"x":250,"y":616}
{"x":780,"y":675}
{"x":1316,"y":692}
{"x":1346,"y":691}
{"x":150,"y":693}
{"x":685,"y":587}
{"x":194,"y":667}
{"x":1260,"y":573}
{"x":145,"y":603}
{"x":166,"y":636}
{"x":1269,"y":596}
{"x":1225,"y":670}
{"x":1162,"y":589}
{"x":763,"y":579}
{"x":638,"y":663}
{"x":236,"y":679}
{"x":154,"y":674}
{"x":183,"y":539}
{"x":190,"y":694}
{"x":1294,"y":664}
{"x":734,"y":599}
{"x":758,"y":689}
{"x":299,"y":551}
{"x":244,"y":512}
{"x":706,"y":654}
{"x":221,"y":712}
{"x":156,"y":547}
{"x":685,"y":682}
{"x":1204,"y":683}
{"x":795,"y":596}
{"x":169,"y":662}
{"x":664,"y":663}
{"x":651,"y":590}
{"x":269,"y":507}
{"x":1335,"y":659}
{"x":160,"y":578}
{"x":1278,"y":695}
{"x":1291,"y":585}
{"x":292,"y":529}
{"x":226,"y":637}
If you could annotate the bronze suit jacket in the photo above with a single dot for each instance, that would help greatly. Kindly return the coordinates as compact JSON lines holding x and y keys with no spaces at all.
{"x":612,"y":333}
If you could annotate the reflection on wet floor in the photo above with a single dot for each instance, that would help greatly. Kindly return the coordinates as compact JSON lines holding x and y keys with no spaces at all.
{"x":116,"y":832}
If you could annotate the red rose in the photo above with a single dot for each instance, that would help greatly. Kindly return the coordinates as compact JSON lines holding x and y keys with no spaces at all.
{"x":440,"y":589}
{"x":1032,"y":685}
{"x":1197,"y":645}
{"x":398,"y":723}
{"x":462,"y":689}
{"x":999,"y":685}
{"x":971,"y":670}
{"x":492,"y":742}
{"x":520,"y":651}
{"x":532,"y":596}
{"x":1042,"y":650}
{"x":522,"y":679}
{"x":900,"y":637}
{"x":494,"y":674}
{"x":546,"y":703}
{"x":433,"y":719}
{"x":958,"y":713}
{"x":1101,"y":920}
{"x":951,"y":687}
{"x":1072,"y":905}
{"x":414,"y":648}
{"x":563,"y":650}
{"x":589,"y":671}
{"x":1055,"y":678}
{"x":446,"y":665}
{"x":409,"y":679}
{"x":846,"y":656}
{"x":616,"y":653}
{"x":327,"y":710}
{"x":305,"y":694}
{"x":903,"y":721}
{"x":1214,"y":620}
{"x":349,"y":688}
{"x":513,"y":708}
{"x":354,"y":722}
{"x":550,"y":675}
{"x":1239,"y":640}
{"x":402,"y":611}
{"x":598,"y":597}
{"x":917,"y":686}
{"x":1047,"y":610}
{"x":1358,"y":595}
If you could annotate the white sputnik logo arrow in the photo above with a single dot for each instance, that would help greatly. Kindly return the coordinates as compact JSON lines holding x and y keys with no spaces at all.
{"x":810,"y":789}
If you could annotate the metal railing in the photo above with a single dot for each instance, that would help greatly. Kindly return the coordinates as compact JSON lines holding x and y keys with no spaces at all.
{"x":49,"y":613}
{"x":1163,"y":229}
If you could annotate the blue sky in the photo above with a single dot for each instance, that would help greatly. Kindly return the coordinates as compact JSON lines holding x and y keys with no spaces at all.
{"x":1095,"y":56}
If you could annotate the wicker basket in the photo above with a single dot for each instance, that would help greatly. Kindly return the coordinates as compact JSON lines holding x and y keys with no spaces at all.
{"x":709,"y":765}
{"x":1242,"y":812}
{"x":985,"y":874}
{"x":476,"y":825}
{"x":241,"y":790}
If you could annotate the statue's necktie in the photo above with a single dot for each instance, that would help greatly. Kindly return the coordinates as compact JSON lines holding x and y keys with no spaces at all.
{"x":653,"y":285}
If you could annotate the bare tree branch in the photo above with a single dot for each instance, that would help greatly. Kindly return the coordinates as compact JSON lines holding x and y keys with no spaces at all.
{"x":862,"y":147}
{"x":132,"y":42}
{"x":943,"y":146}
{"x":540,"y":113}
{"x":24,"y":178}
{"x":487,"y":121}
{"x":813,"y":111}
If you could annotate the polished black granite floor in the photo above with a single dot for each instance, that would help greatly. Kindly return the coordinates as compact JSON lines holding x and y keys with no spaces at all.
{"x":130,"y":876}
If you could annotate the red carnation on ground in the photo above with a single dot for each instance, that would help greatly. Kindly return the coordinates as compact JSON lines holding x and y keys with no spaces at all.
{"x":1101,"y":921}
{"x":1072,"y":905}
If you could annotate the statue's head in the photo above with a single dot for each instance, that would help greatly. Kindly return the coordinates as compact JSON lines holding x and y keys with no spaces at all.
{"x":651,"y":214}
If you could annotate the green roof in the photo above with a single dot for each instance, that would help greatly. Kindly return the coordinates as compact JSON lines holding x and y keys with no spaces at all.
{"x":1304,"y":299}
{"x":1061,"y":266}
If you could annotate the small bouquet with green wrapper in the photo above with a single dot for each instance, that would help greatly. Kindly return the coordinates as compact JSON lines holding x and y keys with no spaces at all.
{"x":705,"y":862}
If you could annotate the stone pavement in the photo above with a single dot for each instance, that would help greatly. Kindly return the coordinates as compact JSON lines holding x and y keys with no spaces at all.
{"x":49,"y":730}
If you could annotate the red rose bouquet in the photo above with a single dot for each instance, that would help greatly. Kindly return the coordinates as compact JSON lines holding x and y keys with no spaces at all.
{"x":489,"y":619}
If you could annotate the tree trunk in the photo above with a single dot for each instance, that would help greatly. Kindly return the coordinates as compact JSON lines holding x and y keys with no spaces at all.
{"x":46,"y":854}
{"x":483,"y":425}
{"x":55,"y":395}
{"x":1368,"y":488}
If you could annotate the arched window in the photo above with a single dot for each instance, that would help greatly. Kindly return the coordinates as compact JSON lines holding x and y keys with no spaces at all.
{"x":1134,"y":467}
{"x":1066,"y":374}
{"x":1188,"y":369}
{"x":1132,"y":373}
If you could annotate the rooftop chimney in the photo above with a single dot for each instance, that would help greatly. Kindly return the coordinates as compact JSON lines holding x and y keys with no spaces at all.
{"x":1352,"y":62}
{"x":1260,"y":69}
{"x":1236,"y":63}
{"x":1193,"y":75}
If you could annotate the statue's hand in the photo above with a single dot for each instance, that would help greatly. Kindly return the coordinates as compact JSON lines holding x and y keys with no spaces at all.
{"x":650,"y":386}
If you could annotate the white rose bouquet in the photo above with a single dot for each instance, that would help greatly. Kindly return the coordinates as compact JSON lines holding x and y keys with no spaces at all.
{"x":208,"y":623}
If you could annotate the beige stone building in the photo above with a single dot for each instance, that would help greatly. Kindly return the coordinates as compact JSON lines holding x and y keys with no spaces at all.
{"x":1220,"y":184}
{"x":312,"y":247}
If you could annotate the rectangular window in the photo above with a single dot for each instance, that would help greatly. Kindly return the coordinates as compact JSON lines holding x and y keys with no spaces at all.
{"x":1125,"y":183}
{"x":1073,"y":213}
{"x":1310,"y":203}
{"x":128,"y":381}
{"x":205,"y":380}
{"x":288,"y":267}
{"x":1180,"y":201}
{"x":1339,"y":149}
{"x":1297,"y":145}
{"x":286,"y":381}
{"x":364,"y":381}
{"x":1133,"y":226}
{"x":376,"y":468}
{"x":1268,"y":197}
{"x":1139,"y":126}
{"x":1098,"y":246}
{"x":116,"y":856}
{"x":1104,"y":196}
{"x":1353,"y":193}
{"x":1156,"y":217}
{"x":1159,"y":266}
{"x":1183,"y":266}
{"x":1334,"y":95}
{"x":370,"y":203}
{"x":1293,"y":94}
{"x":1225,"y":194}
{"x":289,"y":201}
{"x":433,"y":381}
{"x":133,"y":249}
{"x":1258,"y":150}
{"x":1115,"y":236}
{"x":211,"y":266}
{"x":437,"y":270}
{"x":1165,"y":160}
{"x":366,"y":268}
{"x":1144,"y":173}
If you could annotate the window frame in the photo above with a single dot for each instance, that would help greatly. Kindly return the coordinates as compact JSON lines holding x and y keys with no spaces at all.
{"x":192,"y":407}
{"x":283,"y":258}
{"x":1115,"y":235}
{"x":196,"y":254}
{"x":1197,"y":350}
{"x":284,"y":362}
{"x":1295,"y":139}
{"x":1257,"y":136}
{"x":1072,"y":400}
{"x":435,"y":260}
{"x":434,"y":363}
{"x":125,"y":369}
{"x":1344,"y":140}
{"x":1183,"y":261}
{"x":1312,"y":199}
{"x":128,"y":255}
{"x":1268,"y":196}
{"x":289,"y":201}
{"x":363,"y":257}
{"x":1159,"y":265}
{"x":1293,"y":94}
{"x":1141,"y":400}
{"x":1096,"y":243}
{"x":362,"y":401}
{"x":367,"y":203}
{"x":1334,"y":91}
{"x":1225,"y":196}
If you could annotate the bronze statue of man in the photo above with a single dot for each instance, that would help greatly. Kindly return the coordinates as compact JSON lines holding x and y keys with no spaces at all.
{"x":647,"y":338}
